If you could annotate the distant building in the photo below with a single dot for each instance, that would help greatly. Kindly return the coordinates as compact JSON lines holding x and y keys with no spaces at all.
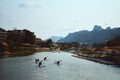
{"x":28,"y":36}
{"x":39,"y":42}
{"x":14,"y":37}
{"x":3,"y":35}
{"x":3,"y":46}
{"x":18,"y":37}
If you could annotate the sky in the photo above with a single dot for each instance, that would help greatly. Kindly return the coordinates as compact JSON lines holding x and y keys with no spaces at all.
{"x":48,"y":18}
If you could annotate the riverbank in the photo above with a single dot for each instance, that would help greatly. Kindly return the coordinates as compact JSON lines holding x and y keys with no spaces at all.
{"x":94,"y":59}
{"x":15,"y":53}
{"x":24,"y":52}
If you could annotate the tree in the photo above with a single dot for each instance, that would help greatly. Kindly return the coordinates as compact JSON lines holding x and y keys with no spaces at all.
{"x":28,"y":37}
{"x":49,"y":42}
{"x":114,"y":42}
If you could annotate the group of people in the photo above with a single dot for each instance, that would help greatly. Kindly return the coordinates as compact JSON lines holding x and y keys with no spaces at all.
{"x":39,"y":62}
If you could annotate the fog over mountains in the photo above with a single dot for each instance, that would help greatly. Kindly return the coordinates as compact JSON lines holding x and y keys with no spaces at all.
{"x":97,"y":35}
{"x":56,"y":38}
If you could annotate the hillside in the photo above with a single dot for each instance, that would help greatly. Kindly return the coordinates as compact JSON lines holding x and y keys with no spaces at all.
{"x":56,"y":38}
{"x":114,"y":42}
{"x":97,"y":35}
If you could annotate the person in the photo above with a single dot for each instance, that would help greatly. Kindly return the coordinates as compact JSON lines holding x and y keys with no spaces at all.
{"x":57,"y":62}
{"x":45,"y":58}
{"x":40,"y":63}
{"x":36,"y":60}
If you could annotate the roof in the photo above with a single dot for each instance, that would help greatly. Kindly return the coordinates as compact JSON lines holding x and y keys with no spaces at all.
{"x":2,"y":30}
{"x":3,"y":44}
{"x":26,"y":44}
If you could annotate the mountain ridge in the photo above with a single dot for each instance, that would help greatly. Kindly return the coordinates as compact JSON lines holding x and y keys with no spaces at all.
{"x":55,"y":38}
{"x":97,"y":35}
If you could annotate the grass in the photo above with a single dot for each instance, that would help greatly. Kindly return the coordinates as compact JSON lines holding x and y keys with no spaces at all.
{"x":14,"y":53}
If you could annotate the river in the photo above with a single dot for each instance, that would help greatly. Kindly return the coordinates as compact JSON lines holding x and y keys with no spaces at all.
{"x":71,"y":68}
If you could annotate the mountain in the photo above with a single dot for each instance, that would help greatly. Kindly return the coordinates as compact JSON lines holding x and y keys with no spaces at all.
{"x":114,"y":42}
{"x":108,"y":28}
{"x":97,"y":35}
{"x":55,"y":38}
{"x":97,"y":28}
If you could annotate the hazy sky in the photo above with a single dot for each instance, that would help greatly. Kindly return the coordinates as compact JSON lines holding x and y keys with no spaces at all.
{"x":58,"y":17}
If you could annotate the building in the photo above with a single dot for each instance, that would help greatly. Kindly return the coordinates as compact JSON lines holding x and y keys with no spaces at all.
{"x":38,"y":42}
{"x":3,"y":46}
{"x":18,"y":37}
{"x":3,"y":35}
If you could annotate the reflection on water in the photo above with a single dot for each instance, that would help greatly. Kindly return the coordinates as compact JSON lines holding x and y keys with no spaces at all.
{"x":71,"y":68}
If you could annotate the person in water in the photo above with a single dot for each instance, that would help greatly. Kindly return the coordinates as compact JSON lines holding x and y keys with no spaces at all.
{"x":36,"y":60}
{"x":45,"y":58}
{"x":58,"y":62}
{"x":40,"y":63}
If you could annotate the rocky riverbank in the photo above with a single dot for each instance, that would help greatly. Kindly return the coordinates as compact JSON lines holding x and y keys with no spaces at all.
{"x":94,"y":59}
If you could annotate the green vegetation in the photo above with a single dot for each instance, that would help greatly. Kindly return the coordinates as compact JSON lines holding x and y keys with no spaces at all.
{"x":14,"y":53}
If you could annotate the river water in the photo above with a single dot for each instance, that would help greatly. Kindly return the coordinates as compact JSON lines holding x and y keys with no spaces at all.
{"x":71,"y":68}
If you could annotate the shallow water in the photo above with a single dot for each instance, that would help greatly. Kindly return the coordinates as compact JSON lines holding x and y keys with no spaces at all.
{"x":71,"y":68}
